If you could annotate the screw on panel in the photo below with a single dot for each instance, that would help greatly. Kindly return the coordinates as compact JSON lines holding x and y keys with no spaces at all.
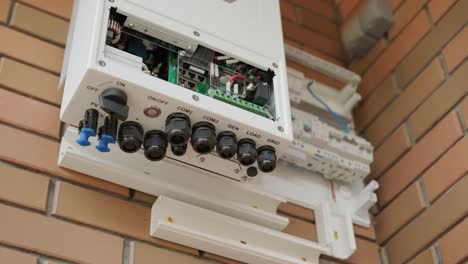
{"x":130,"y":25}
{"x":243,"y":242}
{"x":182,"y":53}
{"x":303,"y":259}
{"x":202,"y":159}
{"x":102,"y":63}
{"x":170,"y":219}
{"x":244,"y":178}
{"x":275,"y":65}
{"x":195,"y":97}
{"x":336,"y":235}
{"x":280,"y":128}
{"x":196,"y":33}
{"x":236,"y":171}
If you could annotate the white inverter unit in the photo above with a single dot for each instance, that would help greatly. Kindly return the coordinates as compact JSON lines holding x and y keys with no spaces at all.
{"x":182,"y":80}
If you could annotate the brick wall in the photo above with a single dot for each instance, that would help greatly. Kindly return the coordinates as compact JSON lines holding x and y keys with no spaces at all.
{"x":53,"y":215}
{"x":415,"y":111}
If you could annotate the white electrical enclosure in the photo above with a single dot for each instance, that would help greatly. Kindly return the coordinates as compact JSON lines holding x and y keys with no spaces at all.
{"x":225,"y":70}
{"x":188,"y":101}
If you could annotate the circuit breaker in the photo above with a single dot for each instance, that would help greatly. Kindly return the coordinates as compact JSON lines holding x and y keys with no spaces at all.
{"x":175,"y":80}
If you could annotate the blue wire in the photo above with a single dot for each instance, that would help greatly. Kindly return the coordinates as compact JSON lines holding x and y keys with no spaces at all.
{"x":335,"y":115}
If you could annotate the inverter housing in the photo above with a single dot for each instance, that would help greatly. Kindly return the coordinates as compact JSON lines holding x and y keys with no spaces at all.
{"x":193,"y":36}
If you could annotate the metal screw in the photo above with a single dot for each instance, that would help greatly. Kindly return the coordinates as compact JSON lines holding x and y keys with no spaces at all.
{"x":202,"y":159}
{"x":189,"y":47}
{"x":236,"y":171}
{"x":196,"y":33}
{"x":170,"y":220}
{"x":280,"y":128}
{"x":303,"y":259}
{"x":195,"y":97}
{"x":244,"y":178}
{"x":130,"y":25}
{"x":182,"y":53}
{"x":102,"y":63}
{"x":275,"y":65}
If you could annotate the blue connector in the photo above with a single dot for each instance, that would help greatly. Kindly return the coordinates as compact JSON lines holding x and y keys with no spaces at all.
{"x":85,"y":133}
{"x":104,"y":140}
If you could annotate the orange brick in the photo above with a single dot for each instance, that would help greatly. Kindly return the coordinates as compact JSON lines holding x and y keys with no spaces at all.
{"x":464,"y":111}
{"x":366,"y":253}
{"x":219,"y":259}
{"x":426,"y":257}
{"x":301,"y":228}
{"x":365,"y":232}
{"x":144,"y":197}
{"x":361,"y":64}
{"x":438,"y":8}
{"x":400,"y":47}
{"x":312,"y":39}
{"x":288,"y":10}
{"x":395,"y":3}
{"x":440,"y":102}
{"x":456,"y":52}
{"x":39,"y":23}
{"x":446,"y":211}
{"x":4,"y":9}
{"x":318,"y":23}
{"x":145,"y":254}
{"x":324,"y":8}
{"x":25,"y":48}
{"x":107,"y":212}
{"x":399,"y":212}
{"x":404,"y":14}
{"x":453,"y":244}
{"x":13,"y":256}
{"x":61,"y":8}
{"x":16,"y":109}
{"x":57,"y":238}
{"x":296,"y":211}
{"x":23,"y":187}
{"x":447,"y":170}
{"x":38,"y":83}
{"x":420,"y":157}
{"x":408,"y":101}
{"x":430,"y":45}
{"x":366,"y":112}
{"x":41,"y":154}
{"x":391,"y":149}
{"x":347,"y":7}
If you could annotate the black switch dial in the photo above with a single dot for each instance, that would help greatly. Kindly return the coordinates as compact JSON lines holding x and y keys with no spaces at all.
{"x":114,"y":101}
